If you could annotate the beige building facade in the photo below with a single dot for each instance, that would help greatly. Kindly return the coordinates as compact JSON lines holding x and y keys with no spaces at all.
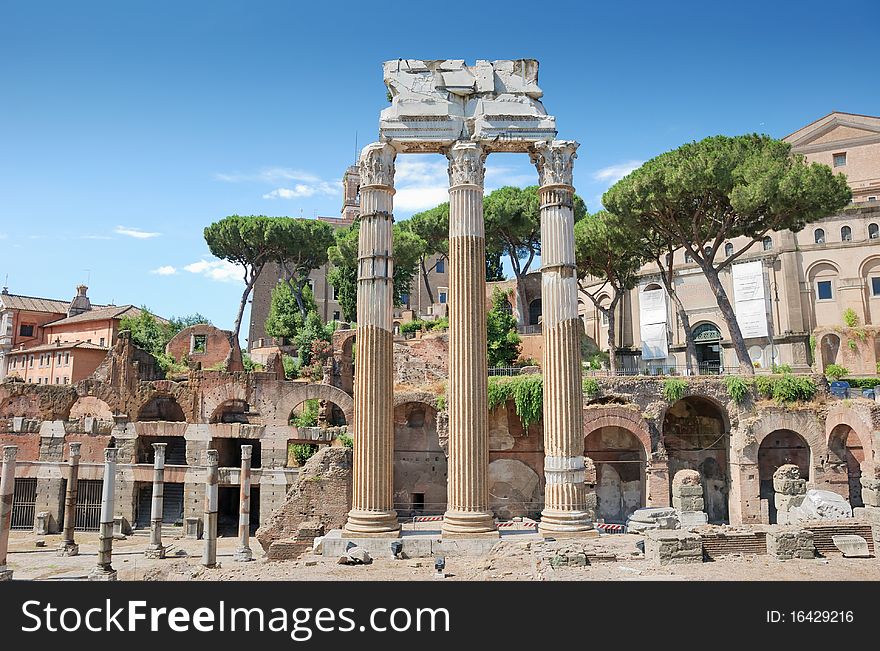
{"x":803,"y":285}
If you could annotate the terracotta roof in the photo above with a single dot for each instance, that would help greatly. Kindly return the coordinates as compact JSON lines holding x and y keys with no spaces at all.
{"x":64,"y":345}
{"x":35,"y":304}
{"x":101,"y":314}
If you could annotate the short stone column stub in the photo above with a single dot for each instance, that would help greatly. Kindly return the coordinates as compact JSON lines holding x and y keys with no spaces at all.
{"x":7,"y":492}
{"x":467,"y":512}
{"x":104,"y":571}
{"x":212,"y":475}
{"x":68,"y":546}
{"x":156,"y":549}
{"x":244,"y":553}
{"x":565,"y":509}
{"x":372,"y":512}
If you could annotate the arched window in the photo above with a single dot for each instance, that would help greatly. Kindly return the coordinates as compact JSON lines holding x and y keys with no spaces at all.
{"x":687,"y":257}
{"x":728,"y":250}
{"x":707,"y":252}
{"x":846,"y":234}
{"x":873,"y":231}
{"x":819,"y":235}
{"x":653,"y":287}
{"x":768,"y":243}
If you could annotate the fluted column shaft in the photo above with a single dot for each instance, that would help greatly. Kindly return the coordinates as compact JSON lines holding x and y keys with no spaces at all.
{"x":212,"y":475}
{"x":68,"y":545}
{"x":156,"y":549}
{"x":564,"y":492}
{"x":7,"y":491}
{"x":468,"y":511}
{"x":104,"y":569}
{"x":372,"y":510}
{"x":244,"y":552}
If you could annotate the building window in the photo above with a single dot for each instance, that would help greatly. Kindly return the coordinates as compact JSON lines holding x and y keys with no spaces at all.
{"x":441,"y":266}
{"x":873,"y":231}
{"x":603,"y":317}
{"x":442,"y":298}
{"x":333,"y":293}
{"x":819,"y":236}
{"x":846,"y":234}
{"x":336,"y":316}
{"x":840,"y":159}
{"x":404,"y":299}
{"x":66,"y":359}
{"x":66,"y":380}
{"x":32,"y":361}
{"x":26,"y":330}
{"x":728,"y":250}
{"x":199,"y":344}
{"x":102,"y":341}
{"x":872,"y":198}
{"x":58,"y":361}
{"x":768,"y":243}
{"x":57,"y":380}
{"x":824,"y":291}
{"x":875,"y":286}
{"x":687,"y":257}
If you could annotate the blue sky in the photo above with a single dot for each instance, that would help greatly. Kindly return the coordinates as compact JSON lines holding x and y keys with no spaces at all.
{"x":125,"y":128}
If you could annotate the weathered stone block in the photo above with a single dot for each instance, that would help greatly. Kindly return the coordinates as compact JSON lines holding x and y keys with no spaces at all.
{"x":193,"y":528}
{"x":790,"y":486}
{"x":688,"y":503}
{"x":786,"y":502}
{"x":666,"y":547}
{"x":852,"y":546}
{"x":788,"y":543}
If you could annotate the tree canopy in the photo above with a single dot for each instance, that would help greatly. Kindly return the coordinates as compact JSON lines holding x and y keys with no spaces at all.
{"x":433,"y":227}
{"x":606,"y":251}
{"x":503,"y":342}
{"x":152,"y":334}
{"x":302,"y":247}
{"x":705,"y":193}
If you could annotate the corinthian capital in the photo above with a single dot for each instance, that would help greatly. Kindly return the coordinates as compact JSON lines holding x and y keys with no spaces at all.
{"x":10,"y":452}
{"x":555,"y":161}
{"x":376,"y":165}
{"x":466,"y":161}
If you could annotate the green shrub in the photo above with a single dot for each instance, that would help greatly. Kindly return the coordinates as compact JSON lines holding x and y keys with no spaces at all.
{"x":302,"y":452}
{"x":863,"y":382}
{"x":526,"y":391}
{"x":346,"y":440}
{"x":764,"y":385}
{"x":673,"y":389}
{"x":782,"y":368}
{"x":441,"y":403}
{"x":791,"y":388}
{"x":850,"y":318}
{"x":309,"y":415}
{"x":812,"y":348}
{"x":591,"y":386}
{"x":291,"y":367}
{"x":737,"y":387}
{"x":836,"y":371}
{"x":411,"y":326}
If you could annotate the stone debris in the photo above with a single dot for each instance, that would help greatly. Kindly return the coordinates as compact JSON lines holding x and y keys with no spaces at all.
{"x":852,"y":546}
{"x":665,"y":547}
{"x":657,"y":517}
{"x":355,"y":556}
{"x":785,"y":543}
{"x":820,"y":505}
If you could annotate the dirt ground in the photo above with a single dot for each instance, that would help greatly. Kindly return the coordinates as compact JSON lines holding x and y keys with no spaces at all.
{"x":613,"y":557}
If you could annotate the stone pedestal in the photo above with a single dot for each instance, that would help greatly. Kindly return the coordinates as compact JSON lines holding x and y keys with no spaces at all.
{"x":786,"y":543}
{"x":565,"y":511}
{"x":467,"y":511}
{"x":68,"y":546}
{"x":7,"y":490}
{"x":212,"y":474}
{"x":156,"y":549}
{"x":372,"y":511}
{"x":104,"y":570}
{"x":244,"y":553}
{"x":672,"y":547}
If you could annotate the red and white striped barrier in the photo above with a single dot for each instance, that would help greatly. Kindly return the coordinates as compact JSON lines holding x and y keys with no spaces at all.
{"x":427,"y":518}
{"x":610,"y":528}
{"x":525,"y":524}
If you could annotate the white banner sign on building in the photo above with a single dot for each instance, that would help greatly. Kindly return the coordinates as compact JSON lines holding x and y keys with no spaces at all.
{"x":750,"y":303}
{"x":652,"y":319}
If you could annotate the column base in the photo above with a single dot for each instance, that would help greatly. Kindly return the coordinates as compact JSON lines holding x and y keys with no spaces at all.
{"x":372,"y":523}
{"x":243,"y":555}
{"x":155,"y":552}
{"x":5,"y":574}
{"x":564,"y":524}
{"x":101,"y":574}
{"x":468,"y":523}
{"x":68,"y":549}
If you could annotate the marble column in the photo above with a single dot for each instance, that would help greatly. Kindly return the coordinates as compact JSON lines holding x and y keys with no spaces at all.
{"x":68,"y":545}
{"x":467,"y":511}
{"x":372,"y":512}
{"x":212,"y":475}
{"x":7,"y":492}
{"x":565,"y":508}
{"x":244,"y":553}
{"x":156,"y":549}
{"x":104,"y":569}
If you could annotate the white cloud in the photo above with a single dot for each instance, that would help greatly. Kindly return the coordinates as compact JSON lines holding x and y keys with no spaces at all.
{"x":94,"y":237}
{"x":420,"y":183}
{"x":303,"y":190}
{"x":165,"y":270}
{"x":613,"y":173}
{"x":136,"y":233}
{"x":269,"y":175}
{"x":219,"y":270}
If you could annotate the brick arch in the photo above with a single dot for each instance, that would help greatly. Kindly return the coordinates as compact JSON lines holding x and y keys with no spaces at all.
{"x":299,"y":393}
{"x":90,"y":406}
{"x":165,"y":389}
{"x":839,"y":414}
{"x":803,"y":423}
{"x":101,"y":391}
{"x":213,"y":399}
{"x":618,"y":416}
{"x":720,"y":406}
{"x":422,"y":397}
